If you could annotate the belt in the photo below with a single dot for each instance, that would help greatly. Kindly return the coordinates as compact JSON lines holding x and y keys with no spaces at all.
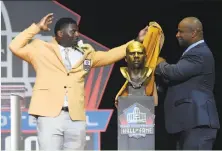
{"x":66,"y":109}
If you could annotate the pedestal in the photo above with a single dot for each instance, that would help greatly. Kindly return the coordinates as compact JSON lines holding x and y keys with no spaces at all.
{"x":136,"y":123}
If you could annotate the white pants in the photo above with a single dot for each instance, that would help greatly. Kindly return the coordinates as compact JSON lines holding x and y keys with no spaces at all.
{"x":61,"y":133}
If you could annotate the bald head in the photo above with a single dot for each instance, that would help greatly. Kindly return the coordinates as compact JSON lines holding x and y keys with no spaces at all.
{"x":193,"y":23}
{"x":190,"y":30}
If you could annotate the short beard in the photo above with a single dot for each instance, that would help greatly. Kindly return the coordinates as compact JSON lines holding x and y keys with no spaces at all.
{"x":184,"y":45}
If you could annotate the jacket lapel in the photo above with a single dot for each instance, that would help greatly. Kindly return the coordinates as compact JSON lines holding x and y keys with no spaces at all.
{"x":55,"y":46}
{"x":81,"y":60}
{"x":58,"y":54}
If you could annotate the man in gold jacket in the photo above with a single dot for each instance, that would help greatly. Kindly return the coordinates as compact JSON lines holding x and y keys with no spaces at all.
{"x":58,"y":94}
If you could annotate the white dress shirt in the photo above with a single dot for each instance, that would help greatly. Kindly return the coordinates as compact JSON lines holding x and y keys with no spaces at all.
{"x":74,"y":57}
{"x":193,"y":45}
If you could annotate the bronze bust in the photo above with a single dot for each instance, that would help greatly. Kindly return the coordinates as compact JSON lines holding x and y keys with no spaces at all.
{"x":136,"y":73}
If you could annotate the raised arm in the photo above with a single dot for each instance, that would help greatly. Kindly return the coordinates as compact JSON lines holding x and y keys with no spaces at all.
{"x":190,"y":65}
{"x":103,"y":58}
{"x":22,"y":46}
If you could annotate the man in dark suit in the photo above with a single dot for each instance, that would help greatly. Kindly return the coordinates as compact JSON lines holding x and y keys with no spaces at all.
{"x":190,"y":110}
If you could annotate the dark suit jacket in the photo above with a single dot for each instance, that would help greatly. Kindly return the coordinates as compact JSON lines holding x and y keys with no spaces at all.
{"x":189,"y":100}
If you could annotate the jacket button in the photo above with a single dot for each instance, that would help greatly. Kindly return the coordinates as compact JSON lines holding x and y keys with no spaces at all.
{"x":64,"y":86}
{"x":67,"y":74}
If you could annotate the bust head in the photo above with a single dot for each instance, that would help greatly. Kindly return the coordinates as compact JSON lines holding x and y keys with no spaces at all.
{"x":135,"y":55}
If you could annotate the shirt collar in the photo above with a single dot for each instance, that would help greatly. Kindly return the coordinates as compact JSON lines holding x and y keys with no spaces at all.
{"x":63,"y":48}
{"x":193,"y":45}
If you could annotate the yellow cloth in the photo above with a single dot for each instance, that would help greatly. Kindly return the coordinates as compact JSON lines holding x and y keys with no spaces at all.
{"x":153,"y":43}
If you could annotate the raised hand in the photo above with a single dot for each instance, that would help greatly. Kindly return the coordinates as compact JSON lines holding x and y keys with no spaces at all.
{"x":142,"y":34}
{"x":45,"y":22}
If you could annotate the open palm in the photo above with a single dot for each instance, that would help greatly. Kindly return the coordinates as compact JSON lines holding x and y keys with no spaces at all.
{"x":45,"y":22}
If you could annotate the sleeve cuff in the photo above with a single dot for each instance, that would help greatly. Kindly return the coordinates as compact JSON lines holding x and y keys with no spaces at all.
{"x":34,"y":28}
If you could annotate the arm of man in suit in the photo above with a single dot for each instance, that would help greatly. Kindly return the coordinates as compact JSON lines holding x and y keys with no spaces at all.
{"x":188,"y":66}
{"x":20,"y":45}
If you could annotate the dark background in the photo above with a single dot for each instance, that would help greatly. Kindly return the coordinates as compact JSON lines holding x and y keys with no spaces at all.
{"x":114,"y":22}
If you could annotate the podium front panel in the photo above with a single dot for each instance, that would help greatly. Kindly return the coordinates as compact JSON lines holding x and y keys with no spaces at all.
{"x":136,"y":123}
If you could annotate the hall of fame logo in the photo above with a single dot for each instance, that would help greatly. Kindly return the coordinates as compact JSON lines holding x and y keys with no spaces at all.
{"x":137,"y":121}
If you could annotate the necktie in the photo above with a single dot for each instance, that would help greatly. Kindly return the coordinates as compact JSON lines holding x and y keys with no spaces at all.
{"x":68,"y":66}
{"x":67,"y":62}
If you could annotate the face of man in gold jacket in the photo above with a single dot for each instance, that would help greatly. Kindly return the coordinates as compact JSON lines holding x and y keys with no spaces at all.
{"x":135,"y":55}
